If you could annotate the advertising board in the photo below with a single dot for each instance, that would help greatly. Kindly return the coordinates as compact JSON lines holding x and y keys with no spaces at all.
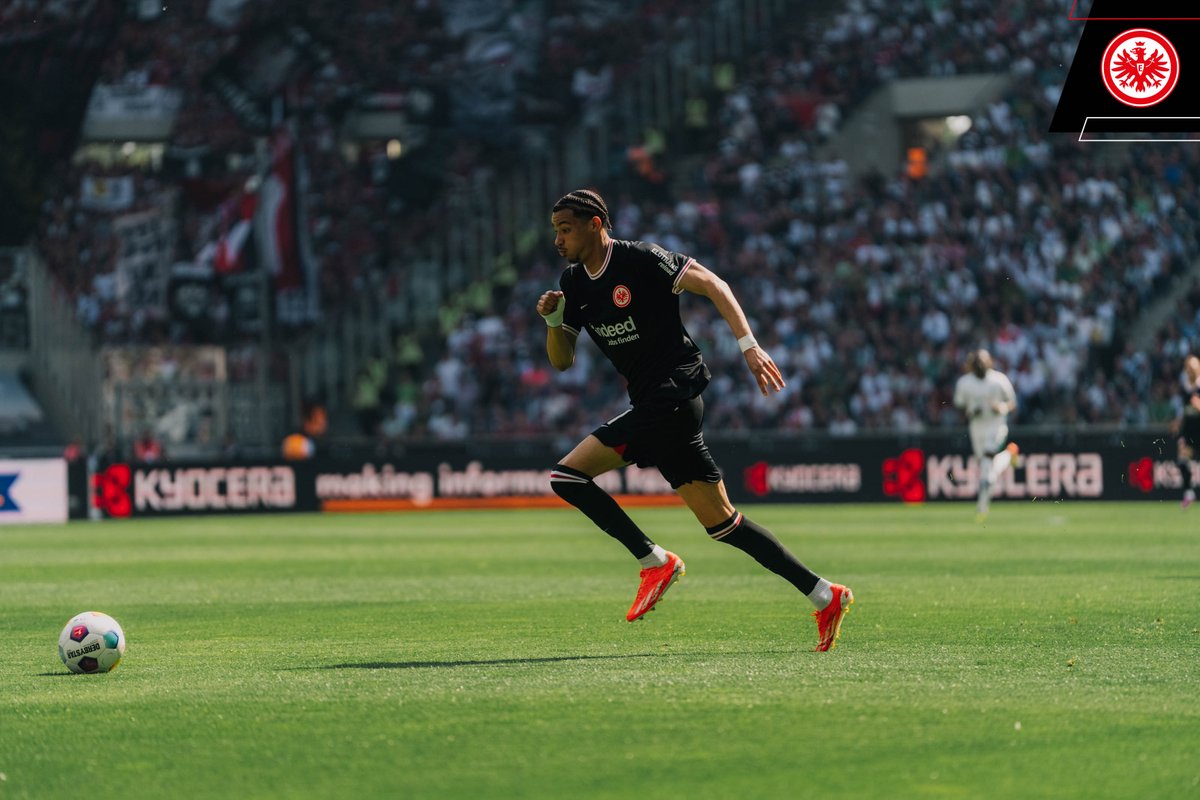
{"x":33,"y":490}
{"x":886,"y":469}
{"x":146,"y":490}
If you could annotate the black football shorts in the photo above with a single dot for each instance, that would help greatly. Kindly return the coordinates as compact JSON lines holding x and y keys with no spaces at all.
{"x":665,"y":436}
{"x":1189,"y":431}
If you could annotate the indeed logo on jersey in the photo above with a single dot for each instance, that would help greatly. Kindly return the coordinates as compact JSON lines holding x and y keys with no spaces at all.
{"x":616,"y":332}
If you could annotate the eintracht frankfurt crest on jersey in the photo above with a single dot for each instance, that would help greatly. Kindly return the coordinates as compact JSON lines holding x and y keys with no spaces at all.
{"x":621,"y":296}
{"x":1140,"y":67}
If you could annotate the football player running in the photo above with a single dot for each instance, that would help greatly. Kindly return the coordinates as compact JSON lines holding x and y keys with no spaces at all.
{"x":625,"y":294}
{"x":986,"y":396}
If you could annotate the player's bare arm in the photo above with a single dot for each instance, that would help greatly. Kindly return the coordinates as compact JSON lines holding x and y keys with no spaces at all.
{"x":1004,"y":406}
{"x":560,"y":343}
{"x":700,"y":280}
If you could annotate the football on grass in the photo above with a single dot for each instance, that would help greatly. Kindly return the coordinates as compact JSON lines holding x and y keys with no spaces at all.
{"x":91,"y":642}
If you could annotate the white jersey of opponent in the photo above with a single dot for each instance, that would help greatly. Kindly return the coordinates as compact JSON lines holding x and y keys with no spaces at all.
{"x":976,"y":396}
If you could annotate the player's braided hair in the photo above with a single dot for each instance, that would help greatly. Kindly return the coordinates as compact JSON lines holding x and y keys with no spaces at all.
{"x":585,"y":203}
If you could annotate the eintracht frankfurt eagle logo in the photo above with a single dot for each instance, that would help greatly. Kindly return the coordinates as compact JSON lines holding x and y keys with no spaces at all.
{"x":621,"y":296}
{"x":1140,"y":67}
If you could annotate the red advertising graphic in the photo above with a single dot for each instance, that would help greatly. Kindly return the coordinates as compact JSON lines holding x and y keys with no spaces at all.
{"x":904,"y":476}
{"x":111,"y":490}
{"x":1141,"y":475}
{"x":1149,"y":475}
{"x":756,"y":479}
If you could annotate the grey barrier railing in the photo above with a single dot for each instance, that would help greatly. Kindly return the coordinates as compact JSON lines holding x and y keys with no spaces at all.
{"x":66,"y":373}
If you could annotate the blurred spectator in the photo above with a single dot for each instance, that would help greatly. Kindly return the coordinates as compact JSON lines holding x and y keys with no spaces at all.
{"x":314,"y":420}
{"x":148,"y":449}
{"x":365,"y":402}
{"x":75,"y":450}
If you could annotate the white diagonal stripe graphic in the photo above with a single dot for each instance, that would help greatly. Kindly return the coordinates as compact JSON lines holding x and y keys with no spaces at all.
{"x":650,"y":597}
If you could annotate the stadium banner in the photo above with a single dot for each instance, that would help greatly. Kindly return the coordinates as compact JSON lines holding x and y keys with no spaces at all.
{"x":136,"y":113}
{"x":940,"y":467}
{"x":189,"y":296}
{"x":33,"y":490}
{"x":871,"y":469}
{"x":936,"y":467}
{"x":105,"y":194}
{"x":173,"y":489}
{"x":265,"y":60}
{"x":125,"y":101}
{"x":450,"y":479}
{"x":145,"y":242}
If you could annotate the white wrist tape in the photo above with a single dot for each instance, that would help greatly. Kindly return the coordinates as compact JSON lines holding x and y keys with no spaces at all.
{"x":555,"y":318}
{"x":747,"y":341}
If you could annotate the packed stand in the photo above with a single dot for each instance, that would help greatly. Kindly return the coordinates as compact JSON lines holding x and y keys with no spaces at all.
{"x":834,"y":270}
{"x":479,"y":71}
{"x":869,"y":293}
{"x":1147,"y":386}
{"x":25,"y":15}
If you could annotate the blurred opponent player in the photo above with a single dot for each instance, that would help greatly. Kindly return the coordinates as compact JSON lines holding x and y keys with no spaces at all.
{"x":1187,"y":425}
{"x":986,"y":396}
{"x":626,"y":295}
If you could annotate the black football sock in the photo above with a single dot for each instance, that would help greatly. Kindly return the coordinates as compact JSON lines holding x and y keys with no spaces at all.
{"x":1185,"y":473}
{"x":579,"y":490}
{"x":763,"y":547}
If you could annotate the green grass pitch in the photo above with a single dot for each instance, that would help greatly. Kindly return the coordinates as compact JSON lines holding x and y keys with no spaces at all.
{"x":1053,"y":652}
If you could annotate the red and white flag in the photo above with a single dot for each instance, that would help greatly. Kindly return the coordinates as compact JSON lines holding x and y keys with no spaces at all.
{"x":276,"y":224}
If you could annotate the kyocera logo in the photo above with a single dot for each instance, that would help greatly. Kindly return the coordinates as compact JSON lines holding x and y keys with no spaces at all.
{"x":904,"y":476}
{"x":762,"y":479}
{"x":1146,"y":475}
{"x":119,"y":490}
{"x":1040,"y":475}
{"x":110,"y":490}
{"x":214,"y":488}
{"x":914,"y":476}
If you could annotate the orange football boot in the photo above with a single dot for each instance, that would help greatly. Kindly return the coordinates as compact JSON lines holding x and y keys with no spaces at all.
{"x":1015,"y":452}
{"x":829,"y":619}
{"x":654,"y":584}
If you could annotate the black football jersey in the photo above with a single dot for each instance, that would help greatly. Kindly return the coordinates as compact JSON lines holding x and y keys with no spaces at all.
{"x":631,"y":311}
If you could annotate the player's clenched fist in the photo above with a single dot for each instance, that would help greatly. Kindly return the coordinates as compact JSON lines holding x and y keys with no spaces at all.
{"x":551,"y":306}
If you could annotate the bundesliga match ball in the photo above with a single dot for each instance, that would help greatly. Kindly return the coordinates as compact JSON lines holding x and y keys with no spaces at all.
{"x":91,"y":642}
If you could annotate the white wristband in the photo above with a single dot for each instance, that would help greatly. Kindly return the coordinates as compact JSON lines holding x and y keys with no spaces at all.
{"x":555,"y":318}
{"x":747,"y":341}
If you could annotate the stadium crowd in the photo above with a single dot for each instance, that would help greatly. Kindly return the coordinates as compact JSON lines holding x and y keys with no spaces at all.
{"x":479,"y":64}
{"x":867,"y":292}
